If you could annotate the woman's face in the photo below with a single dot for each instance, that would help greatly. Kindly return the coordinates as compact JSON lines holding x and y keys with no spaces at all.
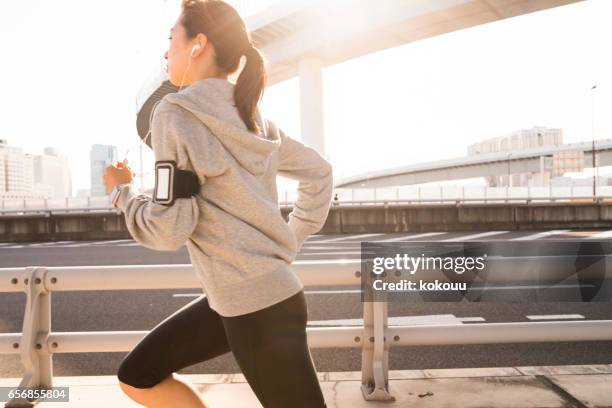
{"x":178,"y":55}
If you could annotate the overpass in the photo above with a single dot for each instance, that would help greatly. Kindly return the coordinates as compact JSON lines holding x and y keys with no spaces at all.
{"x":300,"y":38}
{"x":479,"y":165}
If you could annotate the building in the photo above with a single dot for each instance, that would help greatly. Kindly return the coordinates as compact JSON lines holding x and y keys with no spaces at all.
{"x":100,"y":157}
{"x":51,"y":170}
{"x":23,"y":175}
{"x":551,"y":167}
{"x":14,"y":182}
{"x":519,"y":140}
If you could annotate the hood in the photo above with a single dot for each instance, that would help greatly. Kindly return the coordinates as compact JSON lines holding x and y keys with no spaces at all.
{"x":211,"y":100}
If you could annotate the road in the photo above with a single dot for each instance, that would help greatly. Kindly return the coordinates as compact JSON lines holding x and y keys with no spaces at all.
{"x":141,"y":310}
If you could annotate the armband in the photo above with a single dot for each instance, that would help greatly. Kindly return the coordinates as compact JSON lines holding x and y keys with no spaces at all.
{"x":172,"y":183}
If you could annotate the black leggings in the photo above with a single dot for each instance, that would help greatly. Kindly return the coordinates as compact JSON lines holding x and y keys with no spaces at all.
{"x":269,"y":345}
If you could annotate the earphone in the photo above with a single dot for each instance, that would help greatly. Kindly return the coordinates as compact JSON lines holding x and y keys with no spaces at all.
{"x":194,"y":49}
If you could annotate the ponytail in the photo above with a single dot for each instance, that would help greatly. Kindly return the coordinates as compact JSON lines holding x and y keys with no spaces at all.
{"x":250,"y":86}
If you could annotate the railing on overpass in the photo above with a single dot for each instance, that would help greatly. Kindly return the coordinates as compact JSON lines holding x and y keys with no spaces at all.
{"x":38,"y":342}
{"x":353,"y":196}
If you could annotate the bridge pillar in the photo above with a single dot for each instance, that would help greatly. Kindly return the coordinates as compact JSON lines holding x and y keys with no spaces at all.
{"x":310,"y":71}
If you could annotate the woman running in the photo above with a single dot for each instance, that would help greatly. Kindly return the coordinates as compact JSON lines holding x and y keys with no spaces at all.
{"x":216,"y":163}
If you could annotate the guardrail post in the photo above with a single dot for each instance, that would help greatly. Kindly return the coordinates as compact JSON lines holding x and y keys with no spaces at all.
{"x":375,"y":353}
{"x":35,"y":355}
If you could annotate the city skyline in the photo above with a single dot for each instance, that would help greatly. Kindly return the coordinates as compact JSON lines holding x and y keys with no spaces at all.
{"x":450,"y":90}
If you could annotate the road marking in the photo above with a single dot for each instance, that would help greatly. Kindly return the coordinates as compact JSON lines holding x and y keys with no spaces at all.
{"x":82,"y":244}
{"x":50,"y":243}
{"x":111,"y":242}
{"x":329,"y":292}
{"x":409,"y":237}
{"x":330,"y":253}
{"x":347,"y":237}
{"x":475,"y":236}
{"x":555,"y":317}
{"x":539,"y":235}
{"x":600,"y":235}
{"x":401,"y":321}
{"x":178,"y":295}
{"x":531,"y":287}
{"x":337,"y":248}
{"x":306,"y":292}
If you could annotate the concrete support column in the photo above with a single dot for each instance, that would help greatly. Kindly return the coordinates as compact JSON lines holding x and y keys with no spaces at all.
{"x":310,"y":72}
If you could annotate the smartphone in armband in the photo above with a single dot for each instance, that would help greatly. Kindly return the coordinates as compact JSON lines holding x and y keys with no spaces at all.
{"x":164,"y":182}
{"x":172,"y":183}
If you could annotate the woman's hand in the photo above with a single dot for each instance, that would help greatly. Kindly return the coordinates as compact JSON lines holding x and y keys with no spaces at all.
{"x":119,"y":174}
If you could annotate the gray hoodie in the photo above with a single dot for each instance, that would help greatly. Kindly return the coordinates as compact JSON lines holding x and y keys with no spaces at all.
{"x":239,"y":244}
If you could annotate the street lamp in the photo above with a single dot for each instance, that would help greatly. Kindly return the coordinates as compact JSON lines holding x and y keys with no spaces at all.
{"x":593,"y":136}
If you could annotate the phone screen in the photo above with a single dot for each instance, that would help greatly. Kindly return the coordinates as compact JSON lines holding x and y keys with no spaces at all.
{"x":163,"y":183}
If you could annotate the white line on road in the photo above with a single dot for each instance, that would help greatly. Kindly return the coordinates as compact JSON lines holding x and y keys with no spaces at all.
{"x":475,"y":236}
{"x":531,"y":287}
{"x":330,"y":292}
{"x":50,"y":243}
{"x":401,"y":321}
{"x":330,"y":253}
{"x":82,"y":244}
{"x":539,"y":235}
{"x":555,"y":317}
{"x":115,"y":241}
{"x":600,"y":235}
{"x":306,"y":292}
{"x":409,"y":237}
{"x":347,"y":237}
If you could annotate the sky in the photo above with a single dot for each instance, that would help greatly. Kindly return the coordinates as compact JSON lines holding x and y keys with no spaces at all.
{"x":72,"y":70}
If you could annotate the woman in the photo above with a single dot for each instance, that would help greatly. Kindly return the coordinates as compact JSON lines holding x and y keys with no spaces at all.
{"x":239,"y":244}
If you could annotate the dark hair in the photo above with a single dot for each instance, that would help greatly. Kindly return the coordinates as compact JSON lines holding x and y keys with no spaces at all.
{"x":227,"y":32}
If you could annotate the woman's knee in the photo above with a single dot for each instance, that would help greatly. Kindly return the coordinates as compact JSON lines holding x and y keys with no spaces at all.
{"x":134,"y":375}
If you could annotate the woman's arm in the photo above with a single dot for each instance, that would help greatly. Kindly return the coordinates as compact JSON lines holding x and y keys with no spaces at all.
{"x":157,"y":226}
{"x":300,"y":162}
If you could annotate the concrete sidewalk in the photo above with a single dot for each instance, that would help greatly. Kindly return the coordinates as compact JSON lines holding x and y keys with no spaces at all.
{"x":508,"y":387}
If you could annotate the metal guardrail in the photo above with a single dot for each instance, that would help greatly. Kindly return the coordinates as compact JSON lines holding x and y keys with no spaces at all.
{"x":349,"y":203}
{"x":353,"y":196}
{"x":37,"y":342}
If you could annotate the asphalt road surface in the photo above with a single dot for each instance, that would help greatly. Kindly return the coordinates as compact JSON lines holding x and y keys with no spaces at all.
{"x":142,"y":310}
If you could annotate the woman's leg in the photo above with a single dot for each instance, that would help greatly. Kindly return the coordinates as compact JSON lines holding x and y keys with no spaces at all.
{"x":192,"y":334}
{"x":271,"y":349}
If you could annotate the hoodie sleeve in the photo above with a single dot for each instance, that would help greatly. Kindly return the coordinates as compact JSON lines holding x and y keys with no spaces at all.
{"x":300,"y":162}
{"x":157,"y":226}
